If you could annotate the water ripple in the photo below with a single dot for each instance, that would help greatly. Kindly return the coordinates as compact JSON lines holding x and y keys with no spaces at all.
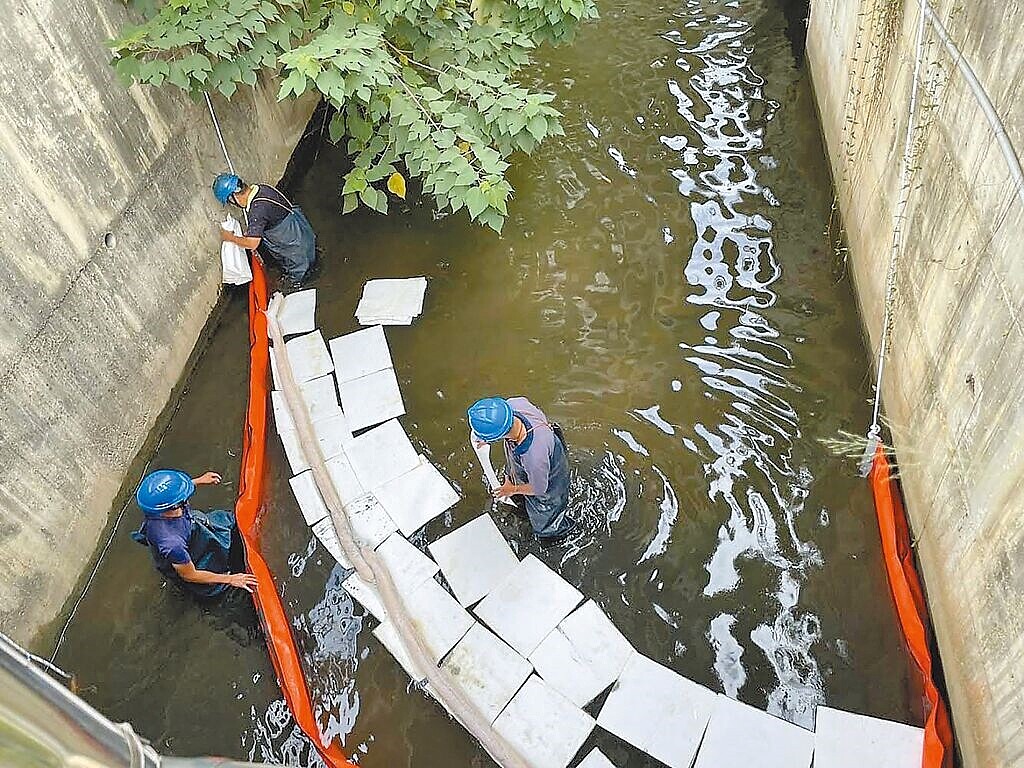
{"x":732,"y":268}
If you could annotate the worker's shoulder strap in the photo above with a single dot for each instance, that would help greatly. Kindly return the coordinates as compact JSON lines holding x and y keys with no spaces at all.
{"x":528,"y":420}
{"x":288,"y":207}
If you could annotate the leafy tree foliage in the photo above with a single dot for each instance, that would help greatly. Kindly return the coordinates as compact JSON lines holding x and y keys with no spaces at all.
{"x":425,"y":84}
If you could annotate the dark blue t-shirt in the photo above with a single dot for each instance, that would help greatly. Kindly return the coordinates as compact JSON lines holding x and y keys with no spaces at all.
{"x":267,"y":208}
{"x":168,"y":537}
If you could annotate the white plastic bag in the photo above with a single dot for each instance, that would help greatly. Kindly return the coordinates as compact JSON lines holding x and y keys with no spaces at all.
{"x":233,"y":258}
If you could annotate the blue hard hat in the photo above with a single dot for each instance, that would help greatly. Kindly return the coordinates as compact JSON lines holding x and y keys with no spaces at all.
{"x":162,"y":490}
{"x":224,"y":186}
{"x":490,"y":418}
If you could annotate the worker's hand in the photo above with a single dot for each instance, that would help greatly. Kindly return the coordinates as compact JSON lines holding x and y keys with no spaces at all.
{"x":508,"y":488}
{"x":244,"y":581}
{"x":207,"y":478}
{"x":225,"y":236}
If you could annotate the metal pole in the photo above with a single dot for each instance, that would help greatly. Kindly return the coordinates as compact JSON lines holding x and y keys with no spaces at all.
{"x":43,"y":723}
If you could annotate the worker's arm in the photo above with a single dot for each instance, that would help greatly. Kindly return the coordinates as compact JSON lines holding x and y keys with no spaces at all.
{"x":252,"y":243}
{"x":508,"y":488}
{"x":207,"y":478}
{"x":189,"y":572}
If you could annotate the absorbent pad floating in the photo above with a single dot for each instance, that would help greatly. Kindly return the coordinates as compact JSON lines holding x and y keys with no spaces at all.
{"x":326,"y":535}
{"x":391,"y":301}
{"x":388,"y":637}
{"x":407,"y":565}
{"x":365,"y":595}
{"x":528,"y":604}
{"x":297,"y":311}
{"x":658,"y":711}
{"x":320,"y":396}
{"x":308,"y":497}
{"x":308,"y":356}
{"x":371,"y":399}
{"x":474,"y":559}
{"x":439,"y":619}
{"x":417,"y":497}
{"x":583,"y":655}
{"x":742,"y":735}
{"x":543,"y":726}
{"x":381,"y":454}
{"x":487,"y":670}
{"x":596,"y":759}
{"x":847,"y":740}
{"x":360,"y":353}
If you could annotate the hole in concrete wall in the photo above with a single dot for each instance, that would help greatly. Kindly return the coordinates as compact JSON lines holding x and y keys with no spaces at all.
{"x":109,"y":240}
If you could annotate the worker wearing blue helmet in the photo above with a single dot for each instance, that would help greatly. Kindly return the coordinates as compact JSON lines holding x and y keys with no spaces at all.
{"x":535,"y":457}
{"x":277,"y":228}
{"x":189,"y":547}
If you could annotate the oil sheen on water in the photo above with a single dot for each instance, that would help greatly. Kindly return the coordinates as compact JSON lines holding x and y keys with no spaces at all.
{"x":666,"y":289}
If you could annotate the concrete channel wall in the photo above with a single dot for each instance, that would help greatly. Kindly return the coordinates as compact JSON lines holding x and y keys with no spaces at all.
{"x":93,"y":338}
{"x":954,"y":389}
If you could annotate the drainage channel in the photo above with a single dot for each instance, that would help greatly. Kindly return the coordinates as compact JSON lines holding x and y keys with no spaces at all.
{"x":665,"y":289}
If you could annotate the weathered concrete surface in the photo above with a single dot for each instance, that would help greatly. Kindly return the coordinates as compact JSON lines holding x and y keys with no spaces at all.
{"x":92,"y":339}
{"x":953,"y":391}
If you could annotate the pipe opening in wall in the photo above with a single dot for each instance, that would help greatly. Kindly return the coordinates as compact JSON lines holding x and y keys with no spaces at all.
{"x":109,"y":240}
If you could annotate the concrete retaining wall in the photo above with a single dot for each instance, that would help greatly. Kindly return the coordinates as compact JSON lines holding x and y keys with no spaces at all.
{"x":954,"y":389}
{"x":92,"y":339}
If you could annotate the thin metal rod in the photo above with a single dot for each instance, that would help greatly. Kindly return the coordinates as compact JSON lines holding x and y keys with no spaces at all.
{"x":981,"y":96}
{"x":220,"y":136}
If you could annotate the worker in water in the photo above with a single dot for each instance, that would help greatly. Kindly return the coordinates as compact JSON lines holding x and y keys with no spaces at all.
{"x":189,"y":547}
{"x":535,"y":458}
{"x":276,"y":227}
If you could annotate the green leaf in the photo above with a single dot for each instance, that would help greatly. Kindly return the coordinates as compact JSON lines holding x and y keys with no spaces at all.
{"x":354,"y":183}
{"x":197,"y":62}
{"x":373,"y":199}
{"x":337,"y":127}
{"x":350,"y":204}
{"x":127,"y":69}
{"x":294,"y":83}
{"x":476,"y":201}
{"x":332,"y":83}
{"x":538,"y":127}
{"x":176,"y":75}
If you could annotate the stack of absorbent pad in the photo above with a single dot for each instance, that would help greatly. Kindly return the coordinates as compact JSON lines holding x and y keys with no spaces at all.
{"x":391,"y":302}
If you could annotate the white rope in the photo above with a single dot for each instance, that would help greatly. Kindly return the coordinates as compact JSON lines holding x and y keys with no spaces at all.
{"x":899,"y":212}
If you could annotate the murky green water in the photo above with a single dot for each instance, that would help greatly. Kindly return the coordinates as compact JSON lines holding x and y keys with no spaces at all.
{"x":664,"y":289}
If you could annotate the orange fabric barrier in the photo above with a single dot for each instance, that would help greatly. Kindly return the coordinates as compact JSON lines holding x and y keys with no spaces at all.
{"x":910,"y":607}
{"x":280,"y":643}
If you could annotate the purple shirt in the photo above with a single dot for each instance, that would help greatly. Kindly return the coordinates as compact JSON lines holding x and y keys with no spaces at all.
{"x":169,"y":537}
{"x":536,"y":461}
